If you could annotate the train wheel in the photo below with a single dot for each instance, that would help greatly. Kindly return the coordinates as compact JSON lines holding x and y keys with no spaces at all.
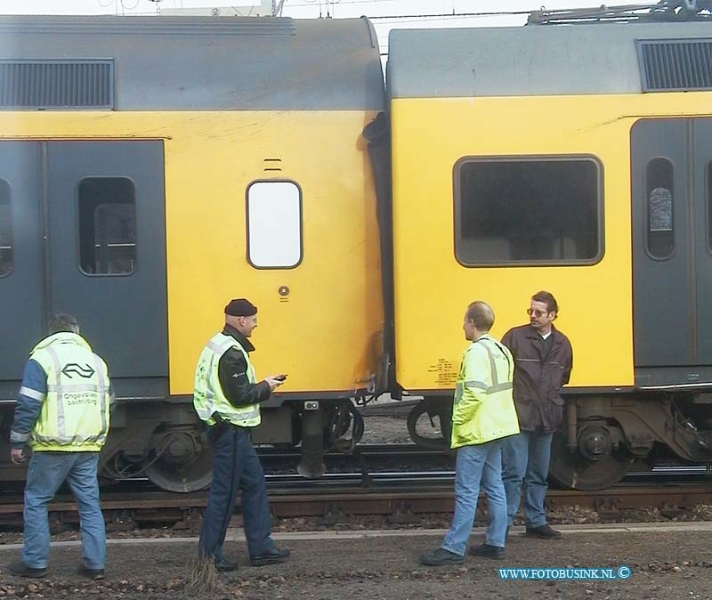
{"x":422,"y":426}
{"x":182,"y":462}
{"x":576,"y":471}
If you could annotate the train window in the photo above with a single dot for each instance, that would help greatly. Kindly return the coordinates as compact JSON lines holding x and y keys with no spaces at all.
{"x":107,"y":226}
{"x":274,"y":224}
{"x":5,"y":229}
{"x":528,"y":211}
{"x":660,"y":230}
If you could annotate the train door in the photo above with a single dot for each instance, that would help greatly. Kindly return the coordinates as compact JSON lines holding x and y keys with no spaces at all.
{"x":672,"y":251}
{"x":93,"y":214}
{"x":21,"y":296}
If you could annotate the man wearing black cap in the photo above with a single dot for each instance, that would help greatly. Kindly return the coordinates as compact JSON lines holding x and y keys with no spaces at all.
{"x":227,"y":397}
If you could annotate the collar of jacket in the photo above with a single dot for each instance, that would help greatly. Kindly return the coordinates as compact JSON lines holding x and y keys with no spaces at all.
{"x":533,"y":333}
{"x":241,"y":339}
{"x":63,"y":337}
{"x":484,"y":336}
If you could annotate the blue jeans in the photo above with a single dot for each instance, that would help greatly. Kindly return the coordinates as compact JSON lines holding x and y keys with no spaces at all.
{"x":46,"y":473}
{"x":526,"y":461}
{"x":236,"y":466}
{"x":482,"y":462}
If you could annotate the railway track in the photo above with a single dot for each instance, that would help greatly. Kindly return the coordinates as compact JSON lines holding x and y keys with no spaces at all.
{"x":399,"y":481}
{"x":396,"y":494}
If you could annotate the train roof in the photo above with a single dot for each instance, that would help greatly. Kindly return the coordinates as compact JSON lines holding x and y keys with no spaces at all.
{"x":547,"y":60}
{"x":190,"y":63}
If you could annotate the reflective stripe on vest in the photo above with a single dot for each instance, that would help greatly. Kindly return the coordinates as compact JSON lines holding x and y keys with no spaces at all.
{"x":209,"y":397}
{"x":481,"y":385}
{"x":75,"y":414}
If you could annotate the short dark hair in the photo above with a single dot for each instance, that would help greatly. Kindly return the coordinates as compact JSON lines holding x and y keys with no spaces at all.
{"x":481,"y":314}
{"x":63,"y":322}
{"x":548,"y":299}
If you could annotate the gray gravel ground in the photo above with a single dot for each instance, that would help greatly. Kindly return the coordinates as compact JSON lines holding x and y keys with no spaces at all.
{"x":666,"y":564}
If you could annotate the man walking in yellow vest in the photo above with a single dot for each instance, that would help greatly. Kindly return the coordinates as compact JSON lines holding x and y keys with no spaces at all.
{"x":482,"y":415}
{"x":63,"y":412}
{"x":227,"y":399}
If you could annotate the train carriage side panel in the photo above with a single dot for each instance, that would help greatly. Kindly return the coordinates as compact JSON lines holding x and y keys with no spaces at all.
{"x":269,"y":110}
{"x":476,"y":119}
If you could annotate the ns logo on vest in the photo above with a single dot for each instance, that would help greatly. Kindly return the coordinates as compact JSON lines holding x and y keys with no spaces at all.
{"x":84,"y":371}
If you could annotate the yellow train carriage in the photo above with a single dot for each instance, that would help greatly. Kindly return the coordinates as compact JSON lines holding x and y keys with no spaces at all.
{"x":154,"y":168}
{"x":573,"y":159}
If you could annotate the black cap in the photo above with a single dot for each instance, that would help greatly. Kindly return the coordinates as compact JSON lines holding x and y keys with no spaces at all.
{"x":240,"y":307}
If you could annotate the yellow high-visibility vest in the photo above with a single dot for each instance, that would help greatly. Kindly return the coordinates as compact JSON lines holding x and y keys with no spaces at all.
{"x":208,"y":396}
{"x":484,"y":410}
{"x":75,"y":414}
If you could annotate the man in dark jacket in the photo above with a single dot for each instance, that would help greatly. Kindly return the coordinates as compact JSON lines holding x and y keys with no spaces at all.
{"x":227,"y":397}
{"x":543,"y":360}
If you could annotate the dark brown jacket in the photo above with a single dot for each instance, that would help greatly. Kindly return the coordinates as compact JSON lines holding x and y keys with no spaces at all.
{"x":538,"y":379}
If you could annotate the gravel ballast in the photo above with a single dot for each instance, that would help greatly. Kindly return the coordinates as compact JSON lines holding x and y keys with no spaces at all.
{"x":670,"y":562}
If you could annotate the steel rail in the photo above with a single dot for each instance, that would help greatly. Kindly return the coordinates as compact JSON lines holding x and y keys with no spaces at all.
{"x":389,"y":494}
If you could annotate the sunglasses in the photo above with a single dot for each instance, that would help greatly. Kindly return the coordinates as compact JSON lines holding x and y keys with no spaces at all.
{"x":534,"y":312}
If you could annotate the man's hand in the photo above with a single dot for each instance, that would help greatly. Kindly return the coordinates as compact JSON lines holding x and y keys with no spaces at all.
{"x":17,"y":456}
{"x":274,"y":381}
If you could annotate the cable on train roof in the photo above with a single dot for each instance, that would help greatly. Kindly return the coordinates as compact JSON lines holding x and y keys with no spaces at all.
{"x":665,"y":10}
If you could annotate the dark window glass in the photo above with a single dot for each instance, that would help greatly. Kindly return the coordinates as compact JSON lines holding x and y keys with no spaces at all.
{"x":529,"y":211}
{"x":5,"y":229}
{"x":107,"y":226}
{"x":661,"y":226}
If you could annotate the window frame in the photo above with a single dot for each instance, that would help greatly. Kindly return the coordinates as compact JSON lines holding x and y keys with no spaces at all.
{"x":247,"y":225}
{"x":708,"y":206}
{"x":600,"y":213}
{"x":647,"y":213}
{"x":134,"y":187}
{"x":10,"y":206}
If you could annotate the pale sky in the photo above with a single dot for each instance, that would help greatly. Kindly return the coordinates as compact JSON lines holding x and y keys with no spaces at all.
{"x":410,"y":12}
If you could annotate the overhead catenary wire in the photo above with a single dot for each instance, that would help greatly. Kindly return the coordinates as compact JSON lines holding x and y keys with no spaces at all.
{"x":339,"y":2}
{"x":451,"y":15}
{"x":441,"y":15}
{"x":498,"y":13}
{"x":127,"y":5}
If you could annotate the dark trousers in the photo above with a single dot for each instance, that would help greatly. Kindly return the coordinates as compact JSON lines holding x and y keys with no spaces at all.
{"x":236,"y":466}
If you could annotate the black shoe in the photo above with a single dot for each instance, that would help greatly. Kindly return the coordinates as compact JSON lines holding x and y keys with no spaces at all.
{"x":274,"y":556}
{"x":94,"y":574}
{"x":487,"y":551}
{"x":544,"y":532}
{"x":441,"y":557}
{"x":22,"y":570}
{"x":225,"y":566}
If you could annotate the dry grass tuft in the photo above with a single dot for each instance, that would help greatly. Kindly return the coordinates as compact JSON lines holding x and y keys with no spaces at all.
{"x":201,"y":575}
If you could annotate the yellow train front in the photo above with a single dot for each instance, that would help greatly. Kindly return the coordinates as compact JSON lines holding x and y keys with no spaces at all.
{"x":575,"y":159}
{"x":151,"y":169}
